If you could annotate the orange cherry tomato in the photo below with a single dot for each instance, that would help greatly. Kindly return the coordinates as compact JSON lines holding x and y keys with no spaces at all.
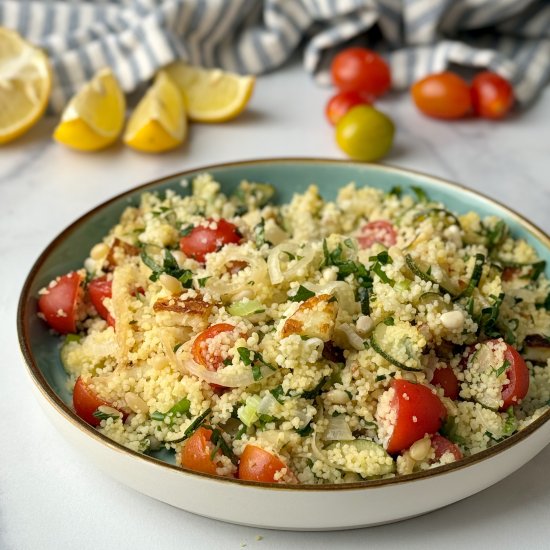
{"x":210,"y":361}
{"x":196,"y":452}
{"x":204,"y":239}
{"x":492,"y":95}
{"x":338,"y":105}
{"x":442,"y":95}
{"x":259,"y":465}
{"x":418,"y":412}
{"x":360,"y":70}
{"x":59,"y":304}
{"x":446,"y":379}
{"x":442,"y":445}
{"x":86,"y":402}
{"x":379,"y":231}
{"x":99,"y":289}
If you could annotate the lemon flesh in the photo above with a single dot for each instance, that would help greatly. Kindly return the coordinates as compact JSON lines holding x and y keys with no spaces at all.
{"x":94,"y":117}
{"x":25,"y":84}
{"x":211,"y":95}
{"x":159,"y":122}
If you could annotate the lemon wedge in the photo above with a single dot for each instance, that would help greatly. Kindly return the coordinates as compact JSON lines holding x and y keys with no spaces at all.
{"x":94,"y":117}
{"x":25,"y":84}
{"x":211,"y":95}
{"x":159,"y":122}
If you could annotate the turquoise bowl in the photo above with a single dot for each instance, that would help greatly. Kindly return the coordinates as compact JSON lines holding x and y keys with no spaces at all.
{"x":69,"y":249}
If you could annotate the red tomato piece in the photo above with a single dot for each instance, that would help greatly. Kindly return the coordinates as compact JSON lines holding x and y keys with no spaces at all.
{"x":259,"y":465}
{"x":212,"y":361}
{"x":204,"y":239}
{"x":446,"y":379}
{"x":196,"y":453}
{"x":418,"y":411}
{"x":379,"y":231}
{"x":59,"y":304}
{"x":492,"y":95}
{"x":338,"y":105}
{"x":86,"y":402}
{"x":442,"y":445}
{"x":99,"y":289}
{"x":442,"y":95}
{"x":518,"y":378}
{"x":360,"y":70}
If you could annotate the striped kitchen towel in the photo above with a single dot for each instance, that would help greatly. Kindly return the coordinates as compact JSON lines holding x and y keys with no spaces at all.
{"x":136,"y":37}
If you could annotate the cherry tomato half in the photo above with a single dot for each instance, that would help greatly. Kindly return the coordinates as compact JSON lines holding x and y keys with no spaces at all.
{"x":379,"y":231}
{"x":518,"y":378}
{"x":492,"y":95}
{"x":259,"y":465}
{"x":204,"y":239}
{"x":196,"y":453}
{"x":442,"y":95}
{"x":59,"y":304}
{"x":418,"y":411}
{"x":446,"y":379}
{"x":338,"y":105}
{"x":442,"y":445}
{"x":360,"y":70}
{"x":99,"y":289}
{"x":86,"y":402}
{"x":212,"y":361}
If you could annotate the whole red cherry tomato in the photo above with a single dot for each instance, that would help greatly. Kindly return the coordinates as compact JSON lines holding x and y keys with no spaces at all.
{"x":339,"y":104}
{"x":442,"y":95}
{"x":492,"y":95}
{"x":360,"y":70}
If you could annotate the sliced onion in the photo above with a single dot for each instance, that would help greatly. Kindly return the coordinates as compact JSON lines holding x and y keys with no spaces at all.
{"x":170,"y":353}
{"x":268,"y":404}
{"x":238,"y":380}
{"x":355,"y":341}
{"x":343,"y":292}
{"x":274,"y":261}
{"x":338,"y":429}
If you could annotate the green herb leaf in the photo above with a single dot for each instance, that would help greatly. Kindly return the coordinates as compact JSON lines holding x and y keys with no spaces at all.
{"x":177,"y":347}
{"x":202,"y":282}
{"x":420,"y":193}
{"x":278,"y":393}
{"x":306,"y":430}
{"x":503,"y":368}
{"x":397,"y":191}
{"x":317,"y":390}
{"x":104,"y":416}
{"x":389,"y":321}
{"x":244,"y":354}
{"x":301,"y":294}
{"x":186,"y":229}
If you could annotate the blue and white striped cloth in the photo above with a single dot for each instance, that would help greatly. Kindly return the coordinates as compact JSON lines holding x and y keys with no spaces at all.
{"x":136,"y":37}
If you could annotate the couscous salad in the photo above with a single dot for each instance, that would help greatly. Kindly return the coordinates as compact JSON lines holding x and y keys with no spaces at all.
{"x":312,"y":342}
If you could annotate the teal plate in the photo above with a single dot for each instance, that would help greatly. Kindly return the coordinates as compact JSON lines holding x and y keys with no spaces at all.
{"x":69,"y":250}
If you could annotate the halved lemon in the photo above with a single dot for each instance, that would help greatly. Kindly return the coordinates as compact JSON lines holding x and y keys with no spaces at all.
{"x":25,"y":84}
{"x":159,"y":122}
{"x":211,"y":95}
{"x":94,"y":117}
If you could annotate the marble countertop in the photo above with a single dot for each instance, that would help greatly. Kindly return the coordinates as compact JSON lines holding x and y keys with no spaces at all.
{"x":52,"y":497}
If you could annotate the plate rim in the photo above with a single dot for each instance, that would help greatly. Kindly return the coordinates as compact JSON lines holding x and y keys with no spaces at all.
{"x":61,"y":408}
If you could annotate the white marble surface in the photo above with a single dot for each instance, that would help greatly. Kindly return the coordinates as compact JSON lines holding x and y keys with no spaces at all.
{"x":51,"y":497}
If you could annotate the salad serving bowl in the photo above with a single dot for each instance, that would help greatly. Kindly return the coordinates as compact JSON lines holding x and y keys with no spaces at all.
{"x":299,"y":507}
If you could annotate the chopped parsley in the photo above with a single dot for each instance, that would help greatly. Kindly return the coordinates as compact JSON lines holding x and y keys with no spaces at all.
{"x":169,"y":266}
{"x":420,"y":193}
{"x":100,"y":415}
{"x":181,"y":408}
{"x":301,"y":294}
{"x":254,"y":363}
{"x":502,"y":368}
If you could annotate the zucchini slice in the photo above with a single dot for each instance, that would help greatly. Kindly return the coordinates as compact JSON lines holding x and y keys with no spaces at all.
{"x":421,"y":270}
{"x":396,"y":344}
